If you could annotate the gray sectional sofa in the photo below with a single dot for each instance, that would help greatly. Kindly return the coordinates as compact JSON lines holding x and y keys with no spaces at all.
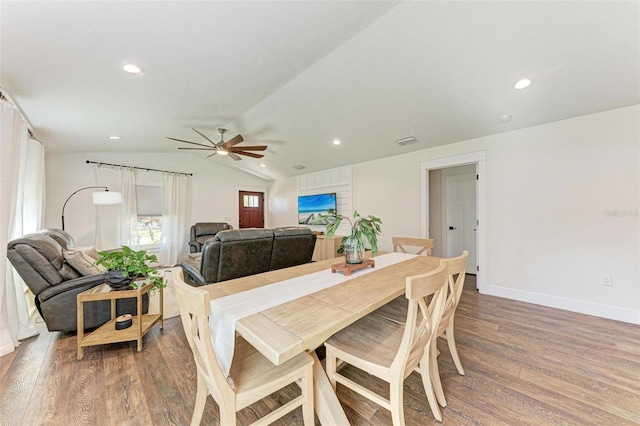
{"x":242,"y":252}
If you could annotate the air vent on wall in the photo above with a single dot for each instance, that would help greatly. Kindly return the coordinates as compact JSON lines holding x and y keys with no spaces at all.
{"x":406,"y":141}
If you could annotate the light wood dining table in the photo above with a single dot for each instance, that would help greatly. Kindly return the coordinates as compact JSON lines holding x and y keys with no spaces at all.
{"x":303,"y":324}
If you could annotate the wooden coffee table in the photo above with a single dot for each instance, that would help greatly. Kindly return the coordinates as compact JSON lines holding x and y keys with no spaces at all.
{"x":107,"y":333}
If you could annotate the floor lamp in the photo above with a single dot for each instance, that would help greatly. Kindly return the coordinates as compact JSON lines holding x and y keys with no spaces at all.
{"x":99,"y":198}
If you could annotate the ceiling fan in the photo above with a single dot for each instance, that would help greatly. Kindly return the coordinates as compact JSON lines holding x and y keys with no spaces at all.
{"x":225,"y":148}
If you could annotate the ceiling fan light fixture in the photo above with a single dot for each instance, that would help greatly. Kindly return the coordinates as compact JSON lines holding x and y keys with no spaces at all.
{"x":223,"y":152}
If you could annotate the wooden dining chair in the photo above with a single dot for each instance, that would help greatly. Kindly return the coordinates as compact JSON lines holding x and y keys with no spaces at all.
{"x":253,"y":376}
{"x":390,"y":351}
{"x":422,"y":245}
{"x":395,"y":311}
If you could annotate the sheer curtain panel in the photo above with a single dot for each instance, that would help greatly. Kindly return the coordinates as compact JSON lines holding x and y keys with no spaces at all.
{"x":116,"y":225}
{"x":176,"y":216}
{"x":13,"y":132}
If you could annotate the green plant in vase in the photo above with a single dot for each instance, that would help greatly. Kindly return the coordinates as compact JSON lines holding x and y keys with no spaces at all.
{"x":124,"y":266}
{"x":364,"y":234}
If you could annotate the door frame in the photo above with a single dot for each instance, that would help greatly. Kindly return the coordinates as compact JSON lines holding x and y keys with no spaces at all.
{"x":250,"y":188}
{"x":448,"y":174}
{"x":263,"y":204}
{"x":479,"y":158}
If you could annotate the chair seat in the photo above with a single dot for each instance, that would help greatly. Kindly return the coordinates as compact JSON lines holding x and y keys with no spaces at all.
{"x":250,"y":370}
{"x":395,"y":311}
{"x":372,"y":340}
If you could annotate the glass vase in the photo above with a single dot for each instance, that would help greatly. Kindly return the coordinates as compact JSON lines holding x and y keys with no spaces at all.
{"x":353,"y":251}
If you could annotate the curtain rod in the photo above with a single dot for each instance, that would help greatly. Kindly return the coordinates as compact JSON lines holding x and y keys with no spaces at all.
{"x":139,"y":168}
{"x":5,"y":97}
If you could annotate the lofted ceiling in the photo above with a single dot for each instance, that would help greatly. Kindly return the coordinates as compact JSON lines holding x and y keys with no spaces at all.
{"x":295,"y":75}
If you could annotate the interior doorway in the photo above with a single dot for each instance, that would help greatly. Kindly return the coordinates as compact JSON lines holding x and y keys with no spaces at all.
{"x":453,"y":213}
{"x":461,"y":210}
{"x":250,"y":209}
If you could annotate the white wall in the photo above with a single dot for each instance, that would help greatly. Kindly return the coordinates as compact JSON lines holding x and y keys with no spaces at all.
{"x":214,"y":187}
{"x":548,"y":189}
{"x":283,"y":203}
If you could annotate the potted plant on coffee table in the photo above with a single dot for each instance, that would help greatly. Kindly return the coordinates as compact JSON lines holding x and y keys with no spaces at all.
{"x":364,"y":234}
{"x":124,"y":266}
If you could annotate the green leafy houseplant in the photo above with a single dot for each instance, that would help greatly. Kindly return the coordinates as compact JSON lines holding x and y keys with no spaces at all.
{"x":133,"y":264}
{"x":364,"y":231}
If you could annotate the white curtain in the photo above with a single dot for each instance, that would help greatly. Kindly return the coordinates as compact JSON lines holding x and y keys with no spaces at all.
{"x":176,"y":216}
{"x":116,"y":225}
{"x":14,"y":146}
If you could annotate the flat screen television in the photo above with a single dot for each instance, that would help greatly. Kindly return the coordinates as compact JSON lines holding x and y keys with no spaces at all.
{"x":311,"y":206}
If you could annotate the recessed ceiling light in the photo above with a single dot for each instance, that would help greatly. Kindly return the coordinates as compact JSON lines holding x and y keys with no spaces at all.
{"x":115,"y":138}
{"x":521,"y":84}
{"x":131,"y":68}
{"x":298,"y":167}
{"x":336,"y":141}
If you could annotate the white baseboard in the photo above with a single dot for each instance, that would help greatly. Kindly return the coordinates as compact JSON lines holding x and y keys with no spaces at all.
{"x":588,"y":308}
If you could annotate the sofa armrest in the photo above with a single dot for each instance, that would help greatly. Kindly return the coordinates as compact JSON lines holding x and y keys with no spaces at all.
{"x":195,"y":247}
{"x":83,"y":283}
{"x":191,"y":275}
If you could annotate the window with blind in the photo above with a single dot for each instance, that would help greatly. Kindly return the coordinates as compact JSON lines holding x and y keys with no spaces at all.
{"x":149,"y":205}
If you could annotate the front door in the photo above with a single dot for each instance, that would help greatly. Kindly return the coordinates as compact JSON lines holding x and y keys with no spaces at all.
{"x":251,"y":209}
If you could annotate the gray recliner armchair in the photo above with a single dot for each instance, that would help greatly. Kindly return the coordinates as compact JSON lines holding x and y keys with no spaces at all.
{"x":203,"y":231}
{"x":39,"y":260}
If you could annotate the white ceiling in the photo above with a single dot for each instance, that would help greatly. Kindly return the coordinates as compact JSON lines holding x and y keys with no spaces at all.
{"x":296,"y":75}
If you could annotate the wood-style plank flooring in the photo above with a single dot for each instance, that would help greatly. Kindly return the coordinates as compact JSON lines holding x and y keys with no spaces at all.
{"x":525,"y":365}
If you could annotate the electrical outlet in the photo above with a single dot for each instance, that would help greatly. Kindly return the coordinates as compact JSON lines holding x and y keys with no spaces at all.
{"x":606,"y":280}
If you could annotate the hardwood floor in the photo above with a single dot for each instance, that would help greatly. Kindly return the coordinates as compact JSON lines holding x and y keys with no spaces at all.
{"x":525,"y":365}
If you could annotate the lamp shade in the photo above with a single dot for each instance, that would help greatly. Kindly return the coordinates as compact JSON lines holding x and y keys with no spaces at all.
{"x":106,"y":197}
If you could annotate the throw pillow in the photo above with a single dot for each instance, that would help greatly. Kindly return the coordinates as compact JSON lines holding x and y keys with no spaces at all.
{"x":89,"y":250}
{"x":82,"y":261}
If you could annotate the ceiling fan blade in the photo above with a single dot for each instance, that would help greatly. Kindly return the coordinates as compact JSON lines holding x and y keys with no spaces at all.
{"x":193,"y":143}
{"x":249,"y":148}
{"x":234,"y":156}
{"x":203,"y":135}
{"x":200,"y":149}
{"x":233,"y":141}
{"x":249,"y":154}
{"x":212,"y":154}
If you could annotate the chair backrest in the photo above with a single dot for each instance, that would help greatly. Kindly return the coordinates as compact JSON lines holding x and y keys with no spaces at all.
{"x":424,"y":245}
{"x":195,"y":308}
{"x":208,"y":228}
{"x":39,"y":260}
{"x":242,"y":252}
{"x":418,"y":334}
{"x":292,"y":246}
{"x":62,"y":237}
{"x":456,"y":271}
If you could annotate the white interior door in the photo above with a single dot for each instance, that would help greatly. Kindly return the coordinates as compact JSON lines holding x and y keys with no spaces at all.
{"x":459,"y":225}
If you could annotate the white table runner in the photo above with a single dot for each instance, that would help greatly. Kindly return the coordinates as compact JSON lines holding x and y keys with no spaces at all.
{"x":225,"y":311}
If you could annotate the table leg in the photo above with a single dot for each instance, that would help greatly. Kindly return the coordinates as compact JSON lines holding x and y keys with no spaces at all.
{"x":327,"y":406}
{"x":80,"y":327}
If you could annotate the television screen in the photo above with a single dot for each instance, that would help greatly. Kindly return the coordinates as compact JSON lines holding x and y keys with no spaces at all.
{"x":311,"y":206}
